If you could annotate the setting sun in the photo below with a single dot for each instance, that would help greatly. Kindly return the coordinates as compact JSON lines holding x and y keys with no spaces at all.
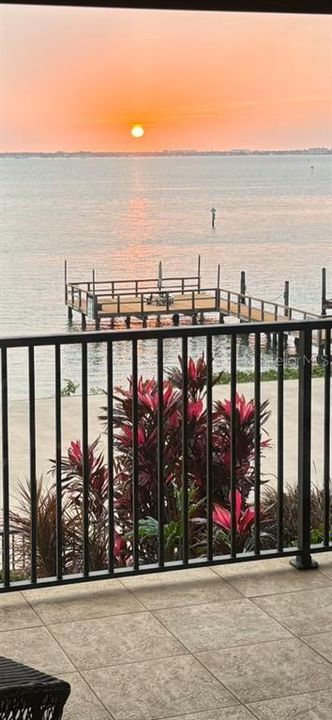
{"x":137,"y":131}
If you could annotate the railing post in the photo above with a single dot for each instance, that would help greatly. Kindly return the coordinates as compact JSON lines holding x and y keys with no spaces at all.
{"x":303,"y":560}
{"x":95,"y":307}
{"x":327,"y":437}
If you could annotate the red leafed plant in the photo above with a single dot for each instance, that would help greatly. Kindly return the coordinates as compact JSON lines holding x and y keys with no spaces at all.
{"x":147,"y":440}
{"x":172,"y":500}
{"x":245,"y":517}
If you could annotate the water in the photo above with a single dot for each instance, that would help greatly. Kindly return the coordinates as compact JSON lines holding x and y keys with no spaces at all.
{"x":122,"y":215}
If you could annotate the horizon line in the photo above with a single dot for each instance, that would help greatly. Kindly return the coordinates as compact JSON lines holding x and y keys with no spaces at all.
{"x":180,"y":151}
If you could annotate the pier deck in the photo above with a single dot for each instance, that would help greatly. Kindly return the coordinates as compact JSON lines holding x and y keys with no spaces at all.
{"x":173,"y":297}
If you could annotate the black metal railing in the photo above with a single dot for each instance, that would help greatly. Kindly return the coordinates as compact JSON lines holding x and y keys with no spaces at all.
{"x":214,"y":544}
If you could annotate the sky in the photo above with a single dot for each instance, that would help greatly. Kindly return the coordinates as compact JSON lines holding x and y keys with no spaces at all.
{"x":80,"y":78}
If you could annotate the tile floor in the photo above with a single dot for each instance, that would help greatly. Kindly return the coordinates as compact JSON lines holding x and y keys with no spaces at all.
{"x":229,"y":643}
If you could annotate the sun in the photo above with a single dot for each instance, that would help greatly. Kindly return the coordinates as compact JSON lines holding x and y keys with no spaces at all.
{"x":137,"y":131}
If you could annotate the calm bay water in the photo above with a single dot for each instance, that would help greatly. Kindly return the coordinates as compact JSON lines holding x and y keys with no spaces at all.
{"x":122,"y":215}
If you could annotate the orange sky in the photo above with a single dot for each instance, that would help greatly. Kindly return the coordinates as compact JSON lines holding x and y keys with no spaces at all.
{"x":79,"y":78}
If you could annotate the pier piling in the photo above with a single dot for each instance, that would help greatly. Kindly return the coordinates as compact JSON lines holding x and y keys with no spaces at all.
{"x":286,"y":298}
{"x":323,"y":291}
{"x":243,"y":287}
{"x":213,"y":216}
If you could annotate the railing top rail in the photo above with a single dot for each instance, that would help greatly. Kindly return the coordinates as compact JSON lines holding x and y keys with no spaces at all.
{"x":136,"y":280}
{"x":155,"y":291}
{"x":271,"y":302}
{"x":166,"y":332}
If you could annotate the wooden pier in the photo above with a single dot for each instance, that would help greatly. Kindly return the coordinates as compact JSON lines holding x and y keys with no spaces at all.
{"x":326,"y":301}
{"x":175,"y":297}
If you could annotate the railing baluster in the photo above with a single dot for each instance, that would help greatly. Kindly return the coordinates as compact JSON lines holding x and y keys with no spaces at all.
{"x":280,"y":442}
{"x":160,"y":458}
{"x":32,"y":453}
{"x":209,"y":453}
{"x":257,"y":383}
{"x":135,"y":457}
{"x":58,"y":482}
{"x":5,"y":468}
{"x":185,"y":450}
{"x":11,"y":545}
{"x":85,"y":459}
{"x":303,"y":559}
{"x":327,"y":437}
{"x":110,"y":483}
{"x":233,"y":485}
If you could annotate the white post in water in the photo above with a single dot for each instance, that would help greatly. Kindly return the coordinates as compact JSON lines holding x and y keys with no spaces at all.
{"x":160,"y":276}
{"x":213,"y":214}
{"x":218,"y":285}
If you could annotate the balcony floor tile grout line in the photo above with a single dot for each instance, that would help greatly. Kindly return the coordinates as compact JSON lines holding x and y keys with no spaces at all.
{"x":293,"y":592}
{"x":290,"y":695}
{"x":253,"y":597}
{"x":198,"y":713}
{"x":278,"y":697}
{"x":76,"y":668}
{"x":298,"y":637}
{"x":82,"y":676}
{"x":24,"y":627}
{"x":86,"y":618}
{"x":198,"y":660}
{"x":315,"y":649}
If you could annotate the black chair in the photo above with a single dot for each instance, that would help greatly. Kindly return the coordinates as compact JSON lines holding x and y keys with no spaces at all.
{"x":27,"y":694}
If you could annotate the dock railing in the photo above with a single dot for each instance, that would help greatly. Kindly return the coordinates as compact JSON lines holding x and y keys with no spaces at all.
{"x":134,"y":528}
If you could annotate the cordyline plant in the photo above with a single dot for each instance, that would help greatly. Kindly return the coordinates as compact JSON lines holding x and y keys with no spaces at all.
{"x":147,"y":438}
{"x":45,"y":531}
{"x":72,"y":516}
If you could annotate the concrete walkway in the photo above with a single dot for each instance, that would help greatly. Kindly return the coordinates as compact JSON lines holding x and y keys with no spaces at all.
{"x":229,"y":643}
{"x":71,"y":429}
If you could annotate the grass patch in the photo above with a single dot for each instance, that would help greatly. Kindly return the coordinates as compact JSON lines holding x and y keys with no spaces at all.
{"x":243,"y":376}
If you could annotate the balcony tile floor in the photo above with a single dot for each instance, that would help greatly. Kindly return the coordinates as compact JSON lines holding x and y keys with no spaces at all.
{"x":226,"y":643}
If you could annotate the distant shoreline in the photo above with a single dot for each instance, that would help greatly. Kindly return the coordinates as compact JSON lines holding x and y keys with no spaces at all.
{"x":166,"y":153}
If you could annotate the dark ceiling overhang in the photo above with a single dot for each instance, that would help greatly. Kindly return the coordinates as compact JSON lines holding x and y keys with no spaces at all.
{"x":272,"y":6}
